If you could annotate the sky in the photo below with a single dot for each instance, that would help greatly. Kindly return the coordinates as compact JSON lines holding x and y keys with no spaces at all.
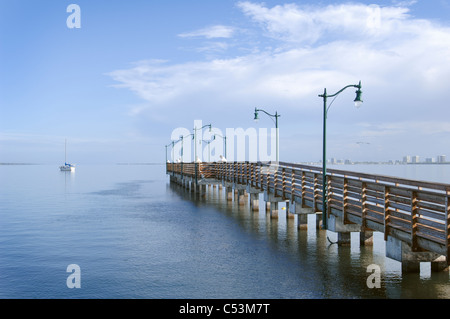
{"x":134,"y":74}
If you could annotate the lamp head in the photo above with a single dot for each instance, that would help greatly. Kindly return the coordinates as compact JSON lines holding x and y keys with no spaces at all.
{"x":358,"y":101}
{"x":256,"y":119}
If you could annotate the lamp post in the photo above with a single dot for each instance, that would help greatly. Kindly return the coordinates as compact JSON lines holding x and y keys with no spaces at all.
{"x":358,"y":103}
{"x":209,"y":149}
{"x":182,"y":156}
{"x":173,"y":155}
{"x":225,"y":143}
{"x":276,"y":116}
{"x":166,"y":153}
{"x":195,"y":138}
{"x":173,"y":152}
{"x":182,"y":152}
{"x":182,"y":144}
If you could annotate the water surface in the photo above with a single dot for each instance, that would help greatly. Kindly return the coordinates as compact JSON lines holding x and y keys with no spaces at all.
{"x":136,"y":236}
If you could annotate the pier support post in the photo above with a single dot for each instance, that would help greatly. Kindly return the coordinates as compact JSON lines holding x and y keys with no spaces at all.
{"x":302,"y":221}
{"x":254,"y":202}
{"x":319,"y":220}
{"x":241,"y":197}
{"x":401,"y":251}
{"x":199,"y":189}
{"x":196,"y":187}
{"x":289,"y":215}
{"x":253,"y":193}
{"x":302,"y":214}
{"x":439,"y":264}
{"x":344,"y":239}
{"x":272,"y":204}
{"x":187,"y":184}
{"x":202,"y":189}
{"x":410,"y":266}
{"x":273,"y":210}
{"x":366,"y":238}
{"x":229,"y":191}
{"x":344,"y":231}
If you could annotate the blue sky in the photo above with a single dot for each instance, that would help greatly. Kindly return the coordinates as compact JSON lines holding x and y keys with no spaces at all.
{"x":135,"y":71}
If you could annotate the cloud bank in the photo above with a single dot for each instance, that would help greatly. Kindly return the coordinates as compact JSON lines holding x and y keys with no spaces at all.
{"x":297,"y":51}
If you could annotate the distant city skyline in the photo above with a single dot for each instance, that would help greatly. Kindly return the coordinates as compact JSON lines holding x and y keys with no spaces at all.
{"x":407,"y":159}
{"x":116,"y":78}
{"x":417,"y":159}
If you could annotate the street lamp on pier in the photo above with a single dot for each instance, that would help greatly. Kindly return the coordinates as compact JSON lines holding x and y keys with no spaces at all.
{"x":195,"y":138}
{"x":209,"y":149}
{"x":224,"y":141}
{"x":275,"y":116}
{"x":358,"y":102}
{"x":182,"y":144}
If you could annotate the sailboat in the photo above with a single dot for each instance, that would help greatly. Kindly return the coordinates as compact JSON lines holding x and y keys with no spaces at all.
{"x":66,"y":167}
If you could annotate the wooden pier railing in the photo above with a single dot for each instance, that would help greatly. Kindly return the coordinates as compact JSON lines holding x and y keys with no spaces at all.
{"x":415,"y":212}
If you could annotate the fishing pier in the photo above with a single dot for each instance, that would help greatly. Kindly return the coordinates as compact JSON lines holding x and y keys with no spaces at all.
{"x":414,"y":216}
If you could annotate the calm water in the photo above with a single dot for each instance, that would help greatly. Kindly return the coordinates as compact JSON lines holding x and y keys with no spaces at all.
{"x":135,"y":236}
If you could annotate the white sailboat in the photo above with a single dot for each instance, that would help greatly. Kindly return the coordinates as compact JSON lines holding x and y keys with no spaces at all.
{"x":66,"y":167}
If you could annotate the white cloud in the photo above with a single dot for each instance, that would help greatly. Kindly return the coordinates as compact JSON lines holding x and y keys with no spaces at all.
{"x":403,"y":62}
{"x":402,"y":48}
{"x":216,"y":31}
{"x":308,"y":25}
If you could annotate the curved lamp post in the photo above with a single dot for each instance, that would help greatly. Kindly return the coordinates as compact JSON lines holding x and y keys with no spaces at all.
{"x":358,"y":103}
{"x":195,"y":148}
{"x":225,"y":143}
{"x":209,"y":149}
{"x":182,"y":151}
{"x":276,"y":116}
{"x":166,"y":146}
{"x":173,"y":153}
{"x":195,"y":138}
{"x":182,"y":144}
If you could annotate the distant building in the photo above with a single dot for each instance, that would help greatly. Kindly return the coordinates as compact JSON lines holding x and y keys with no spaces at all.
{"x":430,"y":160}
{"x":407,"y":159}
{"x":415,"y":159}
{"x":441,"y":159}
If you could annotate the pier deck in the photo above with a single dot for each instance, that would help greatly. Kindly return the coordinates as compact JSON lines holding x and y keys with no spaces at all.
{"x":414,"y":216}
